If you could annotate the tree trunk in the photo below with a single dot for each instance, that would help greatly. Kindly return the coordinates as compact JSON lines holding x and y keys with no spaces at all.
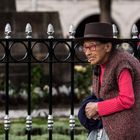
{"x":105,"y":10}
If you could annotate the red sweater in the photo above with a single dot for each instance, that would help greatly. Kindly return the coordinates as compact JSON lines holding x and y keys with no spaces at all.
{"x":124,"y":100}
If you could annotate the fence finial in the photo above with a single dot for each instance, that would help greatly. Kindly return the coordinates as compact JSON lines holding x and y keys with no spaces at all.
{"x":7,"y":31}
{"x":50,"y":31}
{"x":134,"y":31}
{"x":71,"y":31}
{"x":28,"y":30}
{"x":115,"y":31}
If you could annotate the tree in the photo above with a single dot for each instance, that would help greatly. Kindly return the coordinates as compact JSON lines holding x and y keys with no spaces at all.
{"x":105,"y":10}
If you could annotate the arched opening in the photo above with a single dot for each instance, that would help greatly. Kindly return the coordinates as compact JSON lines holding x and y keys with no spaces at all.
{"x":81,"y":26}
{"x":92,"y":18}
{"x":138,"y":26}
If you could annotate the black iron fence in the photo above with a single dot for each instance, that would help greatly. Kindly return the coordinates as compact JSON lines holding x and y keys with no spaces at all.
{"x":73,"y":54}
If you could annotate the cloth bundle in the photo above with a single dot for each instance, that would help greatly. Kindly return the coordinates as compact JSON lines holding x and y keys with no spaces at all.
{"x":89,"y":124}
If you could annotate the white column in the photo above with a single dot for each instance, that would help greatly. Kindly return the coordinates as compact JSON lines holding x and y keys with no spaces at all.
{"x":34,"y":5}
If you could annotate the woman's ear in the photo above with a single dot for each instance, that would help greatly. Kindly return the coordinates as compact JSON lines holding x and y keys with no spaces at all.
{"x":108,"y":47}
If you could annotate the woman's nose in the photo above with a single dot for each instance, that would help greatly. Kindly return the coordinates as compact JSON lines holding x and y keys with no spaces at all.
{"x":87,"y":52}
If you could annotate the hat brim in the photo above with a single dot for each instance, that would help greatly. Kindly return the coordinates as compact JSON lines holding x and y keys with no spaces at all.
{"x":102,"y":39}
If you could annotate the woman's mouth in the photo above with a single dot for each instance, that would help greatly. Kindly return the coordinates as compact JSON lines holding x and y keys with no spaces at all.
{"x":91,"y":59}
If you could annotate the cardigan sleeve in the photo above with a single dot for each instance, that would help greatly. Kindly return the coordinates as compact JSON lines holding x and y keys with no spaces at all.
{"x":124,"y":100}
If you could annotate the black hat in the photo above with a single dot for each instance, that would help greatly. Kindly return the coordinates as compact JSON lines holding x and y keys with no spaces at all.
{"x":100,"y":31}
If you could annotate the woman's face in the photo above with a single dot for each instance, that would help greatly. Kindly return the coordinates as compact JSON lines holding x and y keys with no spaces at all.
{"x":97,"y":52}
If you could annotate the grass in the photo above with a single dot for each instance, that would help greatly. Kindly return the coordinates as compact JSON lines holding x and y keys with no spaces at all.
{"x":61,"y":130}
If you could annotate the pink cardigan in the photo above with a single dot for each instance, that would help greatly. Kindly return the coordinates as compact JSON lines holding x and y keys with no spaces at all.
{"x":124,"y":100}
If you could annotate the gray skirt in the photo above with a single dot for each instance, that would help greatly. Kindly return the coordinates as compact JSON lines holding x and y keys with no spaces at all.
{"x":98,"y":134}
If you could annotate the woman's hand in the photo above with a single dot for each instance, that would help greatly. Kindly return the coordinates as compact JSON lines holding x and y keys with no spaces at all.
{"x":91,"y":110}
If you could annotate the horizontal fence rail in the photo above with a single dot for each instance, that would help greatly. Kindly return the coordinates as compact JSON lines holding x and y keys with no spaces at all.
{"x":72,"y":54}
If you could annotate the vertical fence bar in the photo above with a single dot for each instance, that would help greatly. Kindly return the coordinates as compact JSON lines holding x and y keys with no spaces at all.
{"x":72,"y":118}
{"x":28,"y":118}
{"x":28,"y":31}
{"x":50,"y":117}
{"x":135,"y":34}
{"x":6,"y":118}
{"x":50,"y":32}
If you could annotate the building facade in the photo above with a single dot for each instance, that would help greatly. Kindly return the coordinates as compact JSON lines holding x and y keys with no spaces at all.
{"x":125,"y":13}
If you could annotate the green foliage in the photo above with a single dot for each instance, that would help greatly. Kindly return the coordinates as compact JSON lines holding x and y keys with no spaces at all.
{"x":83,"y":79}
{"x":60,"y":93}
{"x":1,"y":81}
{"x":1,"y":129}
{"x":36,"y":86}
{"x":46,"y":137}
{"x":40,"y":131}
{"x":37,"y":74}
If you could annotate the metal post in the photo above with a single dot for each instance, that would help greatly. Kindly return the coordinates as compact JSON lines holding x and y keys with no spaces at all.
{"x":72,"y":118}
{"x":134,"y":33}
{"x":28,"y":31}
{"x":50,"y":32}
{"x":6,"y":118}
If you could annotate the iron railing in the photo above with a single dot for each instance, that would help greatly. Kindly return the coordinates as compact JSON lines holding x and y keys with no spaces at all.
{"x":75,"y":55}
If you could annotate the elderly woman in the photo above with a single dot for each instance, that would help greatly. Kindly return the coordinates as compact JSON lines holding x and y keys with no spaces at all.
{"x":116,"y":81}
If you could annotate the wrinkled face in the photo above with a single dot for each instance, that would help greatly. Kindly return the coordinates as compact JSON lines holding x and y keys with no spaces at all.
{"x":97,"y":52}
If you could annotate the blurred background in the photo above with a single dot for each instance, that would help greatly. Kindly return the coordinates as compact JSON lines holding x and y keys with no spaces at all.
{"x":124,"y":13}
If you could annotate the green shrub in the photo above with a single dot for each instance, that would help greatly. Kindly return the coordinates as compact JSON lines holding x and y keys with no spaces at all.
{"x":40,"y":130}
{"x":1,"y":129}
{"x":82,"y":80}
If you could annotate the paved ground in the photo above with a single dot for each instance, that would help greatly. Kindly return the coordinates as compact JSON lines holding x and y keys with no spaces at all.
{"x":38,"y":113}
